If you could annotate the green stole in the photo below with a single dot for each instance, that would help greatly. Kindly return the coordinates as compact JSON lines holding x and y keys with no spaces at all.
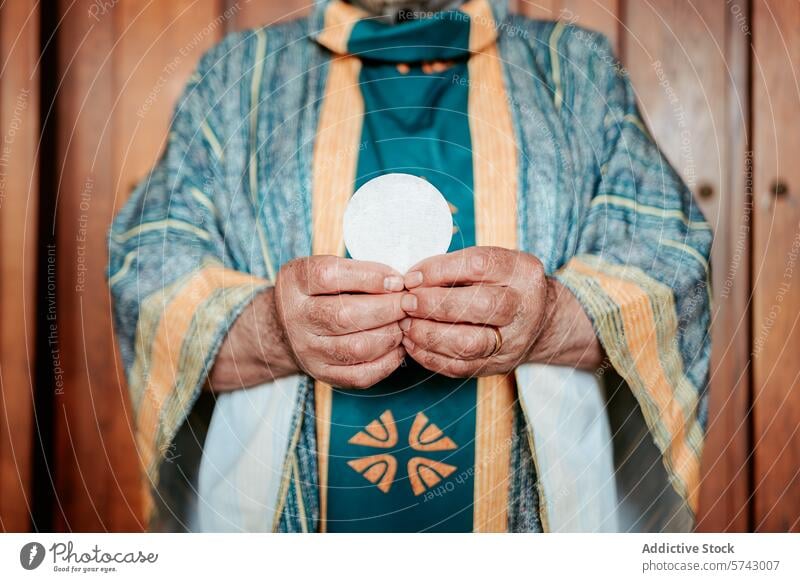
{"x":401,"y":456}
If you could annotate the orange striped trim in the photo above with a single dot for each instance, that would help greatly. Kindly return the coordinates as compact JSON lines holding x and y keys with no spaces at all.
{"x":494,"y":151}
{"x":334,"y":168}
{"x":336,"y":152}
{"x":494,"y":419}
{"x":494,"y":159}
{"x":640,"y":334}
{"x":340,"y":17}
{"x":165,"y":353}
{"x":323,"y":403}
{"x":482,"y":26}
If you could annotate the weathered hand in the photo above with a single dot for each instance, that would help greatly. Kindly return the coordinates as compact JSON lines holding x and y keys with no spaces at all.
{"x":457,"y":300}
{"x":340,"y":318}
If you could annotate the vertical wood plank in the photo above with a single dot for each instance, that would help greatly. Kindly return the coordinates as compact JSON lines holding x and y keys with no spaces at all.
{"x":19,"y":131}
{"x":726,"y":486}
{"x":84,"y":415}
{"x":123,"y":67}
{"x":676,"y":55}
{"x":776,"y":265}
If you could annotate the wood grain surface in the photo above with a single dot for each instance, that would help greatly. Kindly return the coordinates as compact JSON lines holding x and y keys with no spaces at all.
{"x":19,"y":135}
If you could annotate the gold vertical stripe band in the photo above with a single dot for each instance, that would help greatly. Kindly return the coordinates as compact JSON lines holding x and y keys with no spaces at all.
{"x":494,"y":159}
{"x":482,"y":26}
{"x":334,"y":173}
{"x":336,"y":154}
{"x":340,"y":17}
{"x":323,"y":399}
{"x":494,"y":151}
{"x":493,"y":434}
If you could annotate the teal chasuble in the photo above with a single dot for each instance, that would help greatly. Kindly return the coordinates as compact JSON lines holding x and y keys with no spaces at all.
{"x":402,"y":453}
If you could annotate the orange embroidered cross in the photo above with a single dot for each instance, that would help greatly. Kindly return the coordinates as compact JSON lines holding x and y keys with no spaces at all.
{"x":380,"y":469}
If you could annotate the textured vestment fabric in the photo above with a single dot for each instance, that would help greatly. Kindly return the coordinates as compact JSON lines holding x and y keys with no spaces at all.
{"x":233,"y":199}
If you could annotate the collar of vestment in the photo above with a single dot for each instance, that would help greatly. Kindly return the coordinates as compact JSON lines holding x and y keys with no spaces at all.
{"x":415,"y":37}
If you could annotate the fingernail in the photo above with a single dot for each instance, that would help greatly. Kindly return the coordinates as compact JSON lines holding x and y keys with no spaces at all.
{"x":393,"y":283}
{"x":413,"y":279}
{"x":405,"y":324}
{"x":408,"y":302}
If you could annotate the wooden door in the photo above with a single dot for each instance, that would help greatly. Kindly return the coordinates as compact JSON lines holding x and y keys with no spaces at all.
{"x":776,"y":266}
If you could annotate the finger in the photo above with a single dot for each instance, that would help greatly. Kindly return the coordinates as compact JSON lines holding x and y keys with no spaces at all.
{"x":329,"y":275}
{"x":361,"y":347}
{"x":366,"y":374}
{"x":450,"y":367}
{"x":491,"y":265}
{"x":453,"y":340}
{"x":482,"y":304}
{"x":345,"y":314}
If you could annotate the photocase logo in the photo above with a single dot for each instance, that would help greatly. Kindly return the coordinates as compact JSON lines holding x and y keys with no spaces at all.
{"x":31,"y":555}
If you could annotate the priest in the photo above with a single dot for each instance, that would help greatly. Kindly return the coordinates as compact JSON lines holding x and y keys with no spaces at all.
{"x":548,"y":373}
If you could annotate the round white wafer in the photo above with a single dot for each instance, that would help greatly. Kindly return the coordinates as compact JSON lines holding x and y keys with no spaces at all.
{"x":397,"y":220}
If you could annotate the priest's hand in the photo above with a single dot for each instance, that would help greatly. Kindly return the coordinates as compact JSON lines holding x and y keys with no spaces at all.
{"x":332,"y":318}
{"x":339,"y":318}
{"x":486,"y":310}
